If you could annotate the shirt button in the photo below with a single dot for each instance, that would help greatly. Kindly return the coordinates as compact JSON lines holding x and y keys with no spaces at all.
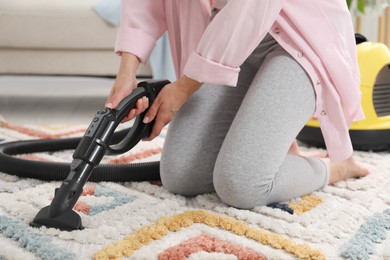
{"x":300,"y":54}
{"x":323,"y":113}
{"x":276,"y":30}
{"x":318,"y":82}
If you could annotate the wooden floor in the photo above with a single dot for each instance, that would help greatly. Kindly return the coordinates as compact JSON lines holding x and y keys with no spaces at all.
{"x":52,"y":100}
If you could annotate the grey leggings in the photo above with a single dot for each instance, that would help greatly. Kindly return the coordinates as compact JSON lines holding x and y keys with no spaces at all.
{"x":234,"y":140}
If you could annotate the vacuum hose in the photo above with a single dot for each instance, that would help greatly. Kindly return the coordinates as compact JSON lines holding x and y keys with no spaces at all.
{"x":55,"y":171}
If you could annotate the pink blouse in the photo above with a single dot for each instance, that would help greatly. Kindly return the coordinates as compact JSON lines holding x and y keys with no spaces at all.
{"x":318,"y":34}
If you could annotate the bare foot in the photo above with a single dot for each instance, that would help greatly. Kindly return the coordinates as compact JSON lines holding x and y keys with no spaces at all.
{"x":345,"y":169}
{"x":294,"y":149}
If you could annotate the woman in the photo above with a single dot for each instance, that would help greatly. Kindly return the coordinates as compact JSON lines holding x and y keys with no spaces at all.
{"x":284,"y":60}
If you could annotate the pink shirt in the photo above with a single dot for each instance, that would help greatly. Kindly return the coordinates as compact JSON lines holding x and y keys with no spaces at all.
{"x":318,"y":34}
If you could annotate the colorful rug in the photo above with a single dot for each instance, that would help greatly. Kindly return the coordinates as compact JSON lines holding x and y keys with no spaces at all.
{"x":350,"y":220}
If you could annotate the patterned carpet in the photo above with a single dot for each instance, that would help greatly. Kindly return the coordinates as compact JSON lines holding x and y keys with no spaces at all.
{"x":350,"y":220}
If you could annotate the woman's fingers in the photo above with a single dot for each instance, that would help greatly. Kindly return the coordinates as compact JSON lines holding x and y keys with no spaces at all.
{"x":141,"y":105}
{"x":157,"y":128}
{"x":161,"y":116}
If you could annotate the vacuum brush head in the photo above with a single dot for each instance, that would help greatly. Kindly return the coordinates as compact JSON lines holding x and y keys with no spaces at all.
{"x":68,"y":220}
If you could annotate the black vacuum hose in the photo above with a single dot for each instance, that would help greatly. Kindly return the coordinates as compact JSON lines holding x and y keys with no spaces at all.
{"x":99,"y":139}
{"x":55,"y":171}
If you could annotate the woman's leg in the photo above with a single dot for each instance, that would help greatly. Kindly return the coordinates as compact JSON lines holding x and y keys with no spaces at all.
{"x":194,"y":138}
{"x":196,"y":134}
{"x":253,"y":167}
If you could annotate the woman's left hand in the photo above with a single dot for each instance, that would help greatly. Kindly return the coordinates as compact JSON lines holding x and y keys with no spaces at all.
{"x":168,"y":102}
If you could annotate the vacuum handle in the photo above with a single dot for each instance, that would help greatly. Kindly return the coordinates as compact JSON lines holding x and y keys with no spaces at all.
{"x":139,"y":130}
{"x":97,"y":140}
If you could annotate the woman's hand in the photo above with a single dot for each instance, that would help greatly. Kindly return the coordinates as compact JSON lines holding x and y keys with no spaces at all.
{"x":125,"y":83}
{"x":170,"y":99}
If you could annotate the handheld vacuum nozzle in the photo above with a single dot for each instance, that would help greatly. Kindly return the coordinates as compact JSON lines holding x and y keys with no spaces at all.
{"x":68,"y":220}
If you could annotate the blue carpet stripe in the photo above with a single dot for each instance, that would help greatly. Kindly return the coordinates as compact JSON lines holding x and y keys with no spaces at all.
{"x":34,"y":242}
{"x":281,"y":206}
{"x":372,"y":232}
{"x":119,"y":200}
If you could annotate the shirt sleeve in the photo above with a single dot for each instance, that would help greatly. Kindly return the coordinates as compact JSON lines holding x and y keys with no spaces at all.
{"x":142,"y":24}
{"x":230,"y":38}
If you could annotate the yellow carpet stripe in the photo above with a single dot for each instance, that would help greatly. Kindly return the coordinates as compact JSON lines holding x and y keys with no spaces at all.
{"x":305,"y":203}
{"x":162,"y":227}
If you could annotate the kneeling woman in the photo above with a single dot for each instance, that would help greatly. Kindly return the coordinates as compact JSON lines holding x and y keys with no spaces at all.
{"x":250,"y":75}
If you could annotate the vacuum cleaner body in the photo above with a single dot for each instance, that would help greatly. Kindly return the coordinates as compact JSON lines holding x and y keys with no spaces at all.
{"x":372,"y":133}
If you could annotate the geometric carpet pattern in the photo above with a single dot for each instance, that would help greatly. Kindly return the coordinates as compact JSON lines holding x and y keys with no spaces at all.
{"x":142,"y":220}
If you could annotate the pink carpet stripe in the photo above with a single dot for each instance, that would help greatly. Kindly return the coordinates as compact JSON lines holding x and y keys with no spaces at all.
{"x":84,"y":207}
{"x":41,"y":134}
{"x":136,"y":156}
{"x":32,"y":157}
{"x":209,"y":244}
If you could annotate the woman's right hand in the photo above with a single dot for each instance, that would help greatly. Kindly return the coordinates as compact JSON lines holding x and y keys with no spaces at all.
{"x":124,"y":84}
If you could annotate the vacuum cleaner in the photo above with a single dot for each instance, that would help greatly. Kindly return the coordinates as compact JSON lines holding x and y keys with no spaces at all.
{"x":373,"y":133}
{"x":99,"y":139}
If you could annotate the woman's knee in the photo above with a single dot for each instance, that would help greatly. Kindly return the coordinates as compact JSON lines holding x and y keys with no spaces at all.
{"x":173,"y":179}
{"x":243,"y":198}
{"x":241,"y":191}
{"x":181,"y":178}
